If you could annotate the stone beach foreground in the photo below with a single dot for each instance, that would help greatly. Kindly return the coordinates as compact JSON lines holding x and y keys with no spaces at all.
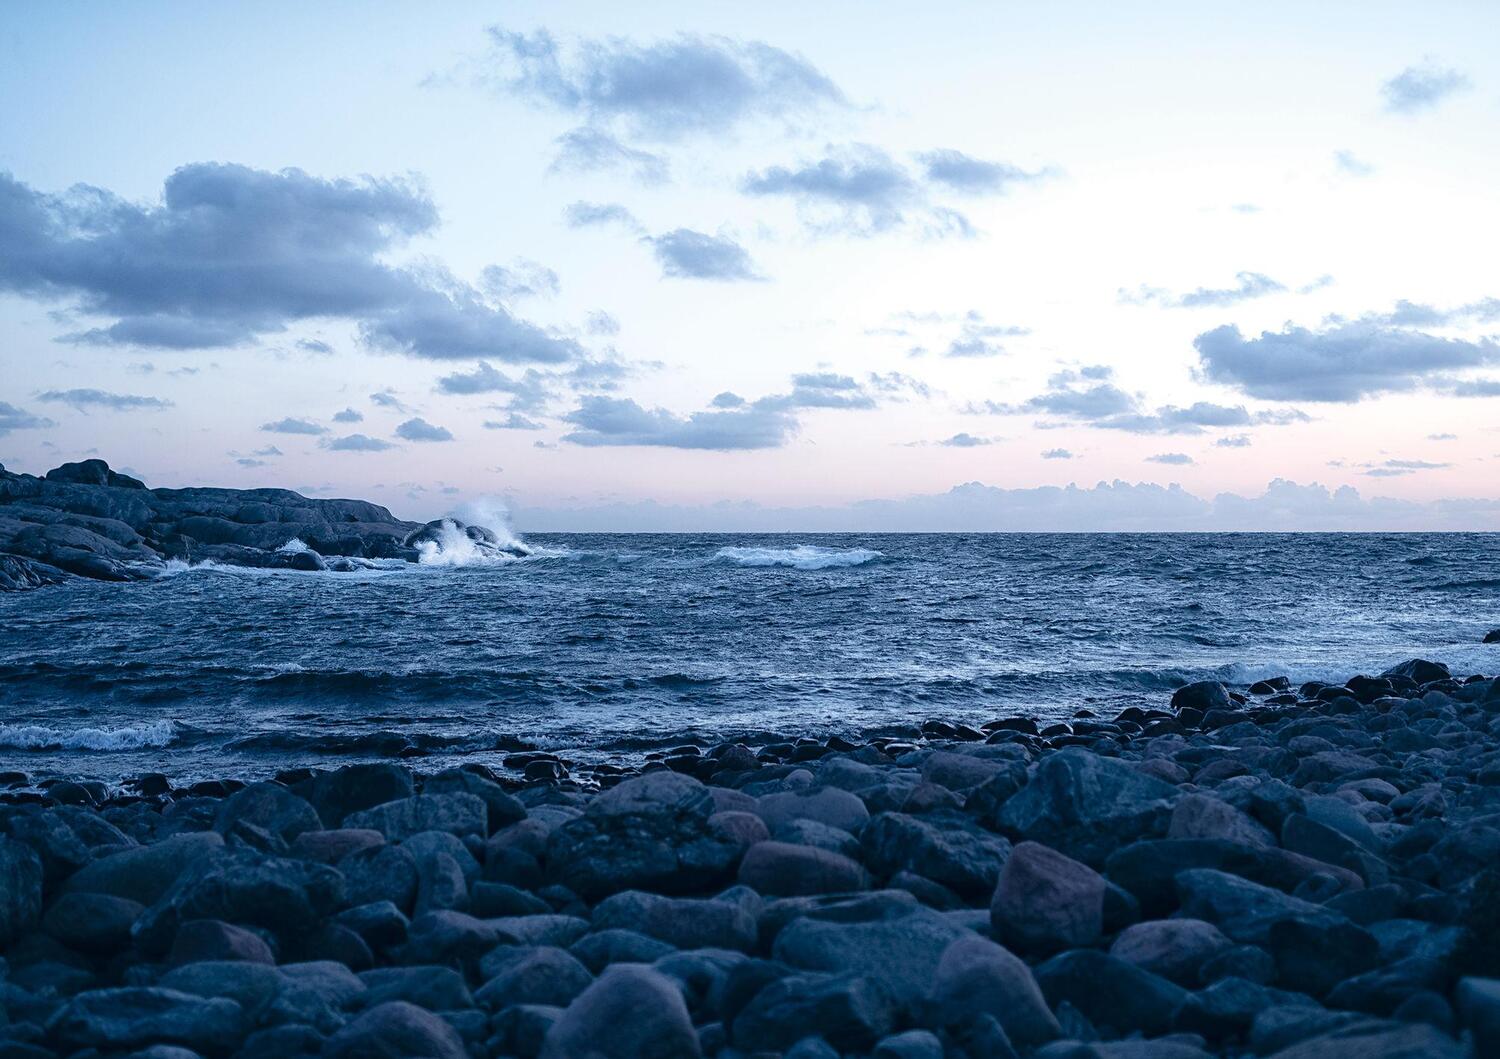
{"x":1308,"y":873}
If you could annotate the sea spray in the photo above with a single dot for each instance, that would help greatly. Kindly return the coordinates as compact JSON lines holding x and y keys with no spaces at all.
{"x":802,"y":557}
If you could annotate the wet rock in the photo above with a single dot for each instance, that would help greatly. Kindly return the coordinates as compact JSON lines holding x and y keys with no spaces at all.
{"x":332,"y":846}
{"x":648,"y":833}
{"x":1419,"y":671}
{"x":829,"y":805}
{"x":395,"y":1030}
{"x":976,"y":976}
{"x":1045,"y":901}
{"x":899,"y":952}
{"x":503,"y":809}
{"x":434,"y":988}
{"x":141,"y":1017}
{"x":1376,"y":1040}
{"x":1204,"y":695}
{"x":1086,"y":806}
{"x":782,"y":869}
{"x":630,"y":1012}
{"x":1201,"y":816}
{"x":604,"y":947}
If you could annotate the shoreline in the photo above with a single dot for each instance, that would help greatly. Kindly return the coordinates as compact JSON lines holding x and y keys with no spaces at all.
{"x":1298,"y":872}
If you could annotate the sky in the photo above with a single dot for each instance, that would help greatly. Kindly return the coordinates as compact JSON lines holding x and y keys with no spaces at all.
{"x":848,"y":265}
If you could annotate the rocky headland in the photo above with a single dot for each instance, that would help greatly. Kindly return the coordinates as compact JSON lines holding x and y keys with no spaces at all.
{"x":1305,"y":873}
{"x":86,"y":520}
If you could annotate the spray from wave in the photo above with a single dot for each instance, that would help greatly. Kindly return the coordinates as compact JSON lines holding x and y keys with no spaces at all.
{"x":475,"y":534}
{"x":802,"y":557}
{"x":42,"y":737}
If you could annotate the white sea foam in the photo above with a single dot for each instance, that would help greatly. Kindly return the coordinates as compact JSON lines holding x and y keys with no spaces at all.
{"x":454,"y":547}
{"x":802,"y":557}
{"x":295,"y":546}
{"x":41,"y":737}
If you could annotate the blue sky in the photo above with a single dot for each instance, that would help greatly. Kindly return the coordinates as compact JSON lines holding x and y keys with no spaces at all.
{"x":704,"y":259}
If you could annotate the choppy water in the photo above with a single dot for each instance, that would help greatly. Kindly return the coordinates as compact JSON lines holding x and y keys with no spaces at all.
{"x":610,"y":644}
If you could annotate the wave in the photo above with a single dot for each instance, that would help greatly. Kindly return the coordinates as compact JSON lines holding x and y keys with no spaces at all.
{"x":802,"y":557}
{"x":1459,"y":586}
{"x":132,"y":737}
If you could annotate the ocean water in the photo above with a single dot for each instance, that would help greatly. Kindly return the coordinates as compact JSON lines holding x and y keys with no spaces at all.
{"x":610,"y":645}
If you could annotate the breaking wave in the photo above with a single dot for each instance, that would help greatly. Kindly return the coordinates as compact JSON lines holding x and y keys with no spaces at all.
{"x":802,"y":557}
{"x":42,"y":737}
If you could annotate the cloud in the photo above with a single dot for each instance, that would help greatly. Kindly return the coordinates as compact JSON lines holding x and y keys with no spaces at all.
{"x":964,"y":440}
{"x":975,"y":338}
{"x":388,"y":399}
{"x":314,"y":345}
{"x":485,"y":378}
{"x":1344,"y":362}
{"x":82,"y":399}
{"x":600,"y":322}
{"x":974,"y":176}
{"x":858,"y":190}
{"x":732,"y":423}
{"x":1442,"y":437}
{"x":356,"y":443}
{"x":1248,"y":285}
{"x":13,"y":418}
{"x":230,"y":254}
{"x":1057,"y":454}
{"x":1423,"y":87}
{"x":1174,"y":459}
{"x":1397,"y":468}
{"x":586,"y":150}
{"x":663,"y":90}
{"x":1234,"y":441}
{"x":295,"y":426}
{"x":1107,"y":507}
{"x":590,"y":214}
{"x":1419,"y":314}
{"x":1350,"y":164}
{"x":513,"y":421}
{"x":521,"y":279}
{"x":417,"y":429}
{"x":686,"y":254}
{"x":269,"y":450}
{"x":348,"y":415}
{"x":1475,"y":388}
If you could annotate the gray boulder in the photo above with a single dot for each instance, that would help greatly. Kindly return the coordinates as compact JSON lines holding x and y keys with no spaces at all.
{"x":396,"y":1030}
{"x":146,"y":873}
{"x":20,"y":889}
{"x":948,"y":848}
{"x":540,"y":975}
{"x":977,"y":976}
{"x":1045,"y":901}
{"x":782,"y":869}
{"x":135,"y":1017}
{"x":848,"y":1012}
{"x":683,"y":923}
{"x":458,"y":814}
{"x":630,"y":1012}
{"x":1175,"y":949}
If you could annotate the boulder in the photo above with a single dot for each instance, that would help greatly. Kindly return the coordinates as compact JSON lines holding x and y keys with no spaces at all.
{"x":457,"y":814}
{"x":649,"y":833}
{"x":683,"y":923}
{"x":20,"y":890}
{"x":1045,"y":901}
{"x":847,"y":1011}
{"x":355,"y":788}
{"x":1377,"y":1040}
{"x":1117,"y":997}
{"x":250,"y":985}
{"x":540,"y":975}
{"x":827,"y":805}
{"x":92,"y":923}
{"x":426,"y":986}
{"x":1419,"y":671}
{"x":1175,"y":949}
{"x":781,"y":869}
{"x":1202,"y":695}
{"x":396,"y":1030}
{"x":503,"y":809}
{"x":1203,"y":816}
{"x":947,"y":848}
{"x":146,"y":873}
{"x":1243,"y":910}
{"x":977,"y":976}
{"x":138,"y":1017}
{"x":211,"y":939}
{"x":629,"y":1012}
{"x":380,"y":873}
{"x":269,"y":806}
{"x":1086,"y":806}
{"x":900,"y":953}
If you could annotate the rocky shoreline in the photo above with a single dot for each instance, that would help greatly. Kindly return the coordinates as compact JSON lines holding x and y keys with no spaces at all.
{"x":86,"y":520}
{"x":1304,"y":873}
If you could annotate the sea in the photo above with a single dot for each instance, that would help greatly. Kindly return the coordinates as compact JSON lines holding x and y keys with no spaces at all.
{"x":607,"y":647}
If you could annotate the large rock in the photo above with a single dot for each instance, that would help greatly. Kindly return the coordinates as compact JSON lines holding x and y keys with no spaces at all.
{"x":850,"y":1012}
{"x":1045,"y":901}
{"x":139,"y":1017}
{"x":146,"y":873}
{"x":1148,"y":869}
{"x":1378,"y":1040}
{"x":269,"y":806}
{"x":630,"y":1012}
{"x":457,"y":814}
{"x":784,"y":869}
{"x":947,"y":848}
{"x":1202,"y":695}
{"x":898,"y":952}
{"x":396,"y":1030}
{"x":976,"y":976}
{"x":1419,"y":671}
{"x":20,"y":889}
{"x":650,"y":833}
{"x":1175,"y":949}
{"x":1203,"y":816}
{"x":93,"y":923}
{"x":828,"y":805}
{"x":504,"y":809}
{"x":540,"y":975}
{"x":683,"y":923}
{"x":1087,"y":806}
{"x":1243,"y":910}
{"x":354,"y":788}
{"x":1117,"y":997}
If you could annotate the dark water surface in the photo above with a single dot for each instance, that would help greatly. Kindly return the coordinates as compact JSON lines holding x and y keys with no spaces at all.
{"x":608,"y":644}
